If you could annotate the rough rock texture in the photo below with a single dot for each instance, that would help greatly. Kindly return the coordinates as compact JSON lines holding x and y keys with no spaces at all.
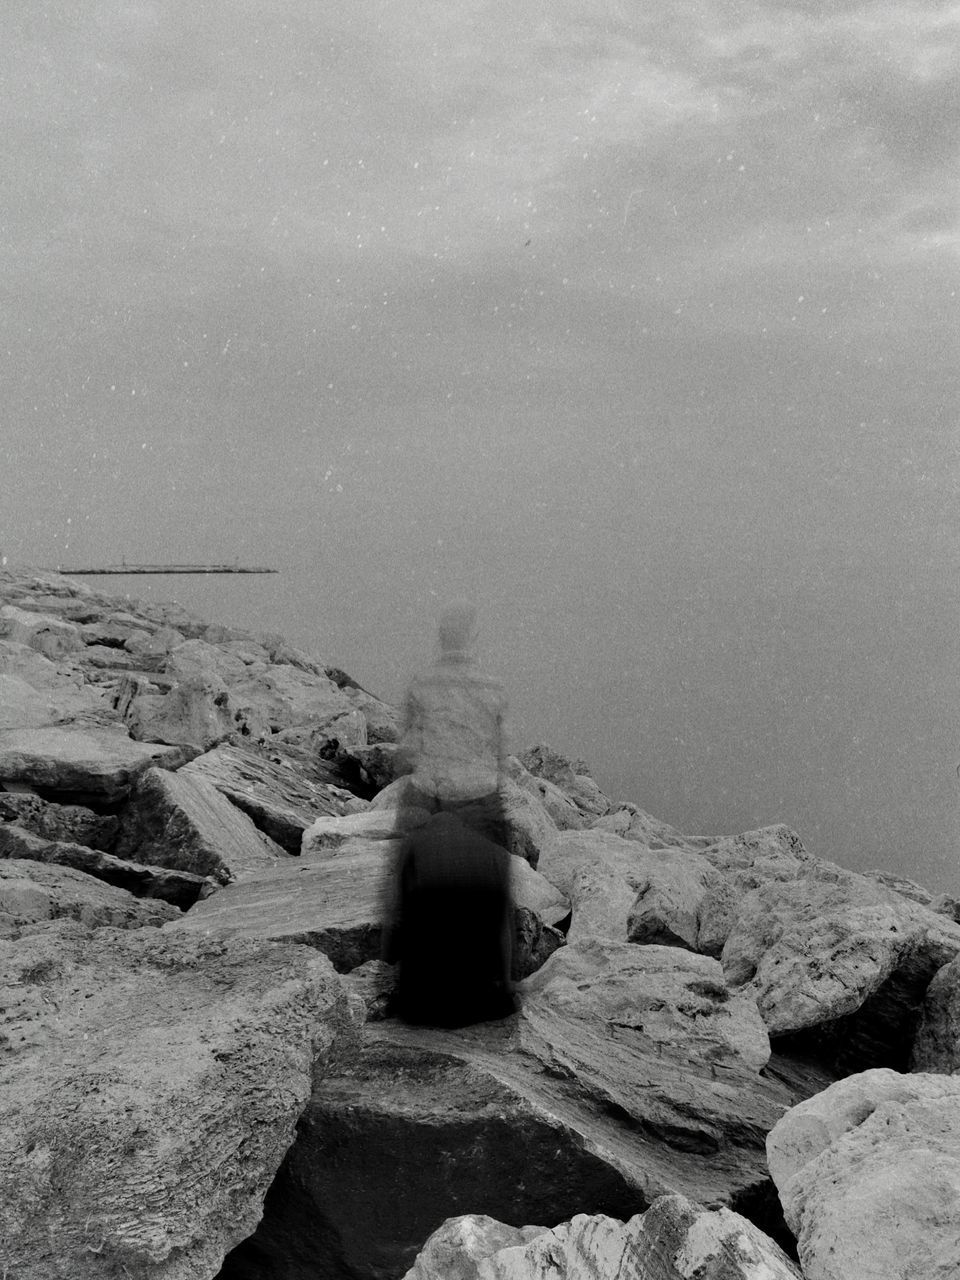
{"x":632,"y":823}
{"x":674,"y":1240}
{"x":624,"y":1077}
{"x":34,"y":893}
{"x":150,"y":1089}
{"x":53,"y":821}
{"x":182,"y":888}
{"x":275,"y":795}
{"x":50,"y":636}
{"x":833,"y":956}
{"x":328,"y":833}
{"x":937,"y":1043}
{"x":869,"y":1175}
{"x":198,"y":711}
{"x":571,"y":777}
{"x":88,"y":759}
{"x":175,"y":820}
{"x":456,"y":1249}
{"x":338,"y":900}
{"x":620,"y":889}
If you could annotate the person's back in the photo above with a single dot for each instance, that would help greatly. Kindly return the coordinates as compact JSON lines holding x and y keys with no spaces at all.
{"x":451,"y":931}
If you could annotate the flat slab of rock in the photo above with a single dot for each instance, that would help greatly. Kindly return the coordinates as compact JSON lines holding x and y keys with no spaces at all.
{"x":181,"y":888}
{"x":868,"y":1172}
{"x":150,"y":1088}
{"x":34,"y":893}
{"x":100,"y":761}
{"x":614,"y":1095}
{"x":338,"y":902}
{"x":335,"y":905}
{"x":280,"y":800}
{"x":175,"y":820}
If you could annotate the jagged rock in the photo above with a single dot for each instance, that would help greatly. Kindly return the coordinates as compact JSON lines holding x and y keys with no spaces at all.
{"x":373,"y":982}
{"x":183,"y":821}
{"x":53,"y":821}
{"x":337,"y":901}
{"x":571,"y":777}
{"x":196,"y":659}
{"x":329,"y":833}
{"x":840,"y":961}
{"x":280,"y":800}
{"x":283,"y":697}
{"x":680,"y":1240}
{"x":428,"y":1124}
{"x":632,"y":823}
{"x":381,"y":719}
{"x":81,"y":759}
{"x":34,"y":692}
{"x":869,"y":1176}
{"x":937,"y":1043}
{"x":458,"y":1247}
{"x":34,"y":893}
{"x":149,"y":649}
{"x":562,"y":811}
{"x":48,"y":635}
{"x":620,"y":889}
{"x":152,"y":1088}
{"x":197,"y":711}
{"x":372,"y":765}
{"x":942,"y":903}
{"x":178,"y":887}
{"x":674,"y":1240}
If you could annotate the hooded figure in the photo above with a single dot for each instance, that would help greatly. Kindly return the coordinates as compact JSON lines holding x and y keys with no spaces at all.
{"x":452,"y":922}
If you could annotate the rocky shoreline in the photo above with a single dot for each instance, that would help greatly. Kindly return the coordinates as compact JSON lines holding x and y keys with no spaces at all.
{"x":732,"y":1060}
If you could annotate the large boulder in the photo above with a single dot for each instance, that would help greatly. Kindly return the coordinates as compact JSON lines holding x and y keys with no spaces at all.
{"x":182,"y":821}
{"x":151,"y":1087}
{"x":869,"y":1176}
{"x":54,"y":821}
{"x":81,"y":759}
{"x":937,"y":1043}
{"x":571,"y":777}
{"x":629,"y":1073}
{"x":280,"y":799}
{"x":35,"y":692}
{"x":622,"y":890}
{"x":50,"y":636}
{"x":182,"y":888}
{"x":674,"y":1240}
{"x":839,"y":961}
{"x":34,"y":893}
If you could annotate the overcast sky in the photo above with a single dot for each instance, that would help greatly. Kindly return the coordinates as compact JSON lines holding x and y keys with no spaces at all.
{"x":638,"y":323}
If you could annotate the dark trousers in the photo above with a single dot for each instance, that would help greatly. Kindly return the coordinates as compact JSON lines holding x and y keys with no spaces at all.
{"x":452,"y":935}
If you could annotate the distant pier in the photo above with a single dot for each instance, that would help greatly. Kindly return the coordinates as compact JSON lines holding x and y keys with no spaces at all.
{"x":103,"y":570}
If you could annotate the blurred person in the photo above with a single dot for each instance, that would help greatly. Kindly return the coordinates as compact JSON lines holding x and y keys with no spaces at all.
{"x":451,"y":927}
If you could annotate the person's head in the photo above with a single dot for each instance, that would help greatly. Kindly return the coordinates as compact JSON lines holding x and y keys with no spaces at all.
{"x":457,"y":629}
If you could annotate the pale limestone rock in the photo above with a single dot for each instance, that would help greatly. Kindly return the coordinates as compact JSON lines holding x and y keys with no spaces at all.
{"x":183,"y":821}
{"x":181,"y":888}
{"x":48,"y":635}
{"x":34,"y":692}
{"x":81,"y":758}
{"x":868,"y":1173}
{"x":937,"y":1043}
{"x":620,"y":889}
{"x":562,"y":811}
{"x":680,"y":1240}
{"x":59,"y":821}
{"x":817,"y":949}
{"x":33,"y":893}
{"x":197,"y":711}
{"x":674,"y":1240}
{"x":151,"y":1089}
{"x":458,"y":1247}
{"x":672,"y":1000}
{"x":196,"y":659}
{"x":279,"y":798}
{"x":328,"y":833}
{"x":571,"y":777}
{"x":632,"y":823}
